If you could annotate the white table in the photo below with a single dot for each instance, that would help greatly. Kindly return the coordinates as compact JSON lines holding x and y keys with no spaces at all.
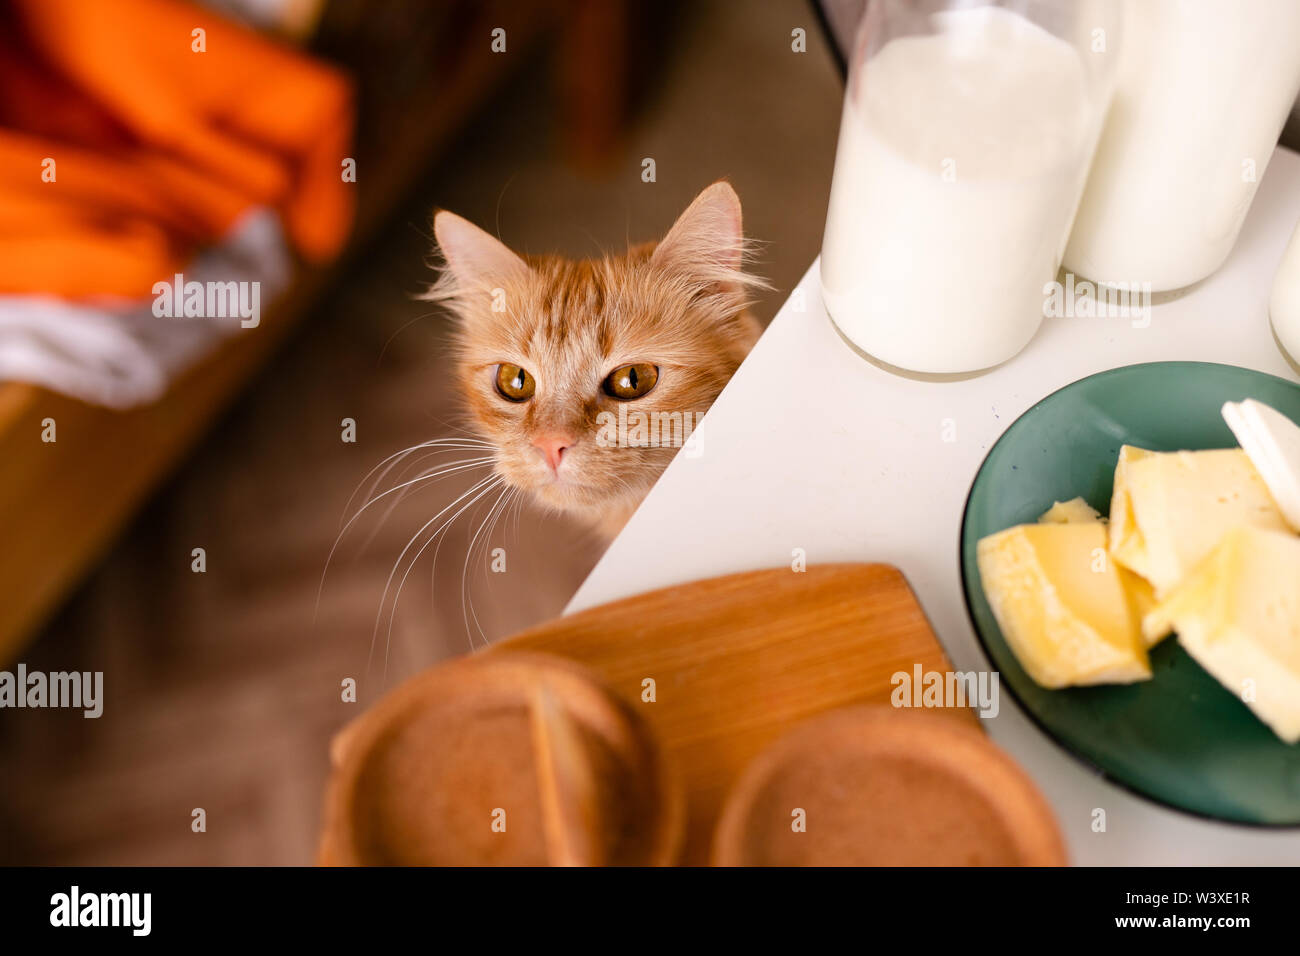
{"x":810,"y":446}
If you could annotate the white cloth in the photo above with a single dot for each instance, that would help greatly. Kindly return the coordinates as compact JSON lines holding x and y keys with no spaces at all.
{"x":121,"y":356}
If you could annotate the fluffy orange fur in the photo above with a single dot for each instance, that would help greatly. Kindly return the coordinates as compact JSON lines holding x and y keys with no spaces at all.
{"x":679,"y":304}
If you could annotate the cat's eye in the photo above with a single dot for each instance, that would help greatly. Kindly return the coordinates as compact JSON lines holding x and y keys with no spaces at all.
{"x":631,"y":381}
{"x":514,"y":383}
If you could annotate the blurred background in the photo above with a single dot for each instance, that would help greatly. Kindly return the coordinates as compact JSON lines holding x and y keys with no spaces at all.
{"x":222,"y":688}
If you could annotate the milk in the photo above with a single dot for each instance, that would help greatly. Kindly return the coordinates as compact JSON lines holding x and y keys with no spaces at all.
{"x":1203,"y":90}
{"x":1284,"y":302}
{"x":961,"y":159}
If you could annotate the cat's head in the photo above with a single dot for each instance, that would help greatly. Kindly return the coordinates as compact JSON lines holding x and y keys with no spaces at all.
{"x":548,"y":349}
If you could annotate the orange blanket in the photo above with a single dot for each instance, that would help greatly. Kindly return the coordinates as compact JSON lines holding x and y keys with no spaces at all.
{"x":156,"y":149}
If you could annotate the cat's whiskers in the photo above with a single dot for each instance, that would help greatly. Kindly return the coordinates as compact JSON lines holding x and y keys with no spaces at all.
{"x":510,"y":497}
{"x":512,"y":502}
{"x":478,"y":490}
{"x":480,"y":485}
{"x":407,"y":465}
{"x":430,"y":475}
{"x":518,"y":509}
{"x":457,"y":443}
{"x":489,"y":522}
{"x":436,"y":473}
{"x":439,"y":445}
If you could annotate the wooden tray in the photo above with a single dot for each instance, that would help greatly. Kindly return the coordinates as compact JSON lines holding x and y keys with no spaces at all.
{"x":739,"y":660}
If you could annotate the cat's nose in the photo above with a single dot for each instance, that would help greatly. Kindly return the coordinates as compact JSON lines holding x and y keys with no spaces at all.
{"x":553,"y":446}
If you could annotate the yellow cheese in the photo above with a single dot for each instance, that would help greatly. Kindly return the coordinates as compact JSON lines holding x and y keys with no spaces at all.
{"x":1074,"y":511}
{"x":1170,"y":509}
{"x":1061,"y":604}
{"x":1140,"y":595}
{"x":1123,"y":535}
{"x":1238,"y":615}
{"x":1142,"y":598}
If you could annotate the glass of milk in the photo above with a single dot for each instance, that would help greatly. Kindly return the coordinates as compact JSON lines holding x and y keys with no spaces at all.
{"x":1202,"y":91}
{"x":967,"y":134}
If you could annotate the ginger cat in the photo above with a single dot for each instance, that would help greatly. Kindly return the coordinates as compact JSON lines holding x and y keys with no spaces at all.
{"x":548,"y":348}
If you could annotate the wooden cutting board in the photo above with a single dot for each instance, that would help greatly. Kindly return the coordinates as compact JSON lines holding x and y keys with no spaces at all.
{"x":737,"y":661}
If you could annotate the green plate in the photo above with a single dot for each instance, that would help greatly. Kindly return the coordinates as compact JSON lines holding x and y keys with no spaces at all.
{"x":1180,"y":739}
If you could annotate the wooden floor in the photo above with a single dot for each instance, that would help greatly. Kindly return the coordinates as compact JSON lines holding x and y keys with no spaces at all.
{"x":220,"y":691}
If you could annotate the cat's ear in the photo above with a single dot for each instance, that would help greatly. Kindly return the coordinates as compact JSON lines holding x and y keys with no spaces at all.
{"x":707,"y":242}
{"x":475,"y":259}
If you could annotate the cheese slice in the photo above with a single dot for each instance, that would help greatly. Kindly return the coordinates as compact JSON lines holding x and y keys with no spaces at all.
{"x":1142,"y":598}
{"x":1170,"y":509}
{"x":1238,"y":615}
{"x":1074,"y":511}
{"x":1140,"y":594}
{"x":1062,"y":605}
{"x":1124,"y":538}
